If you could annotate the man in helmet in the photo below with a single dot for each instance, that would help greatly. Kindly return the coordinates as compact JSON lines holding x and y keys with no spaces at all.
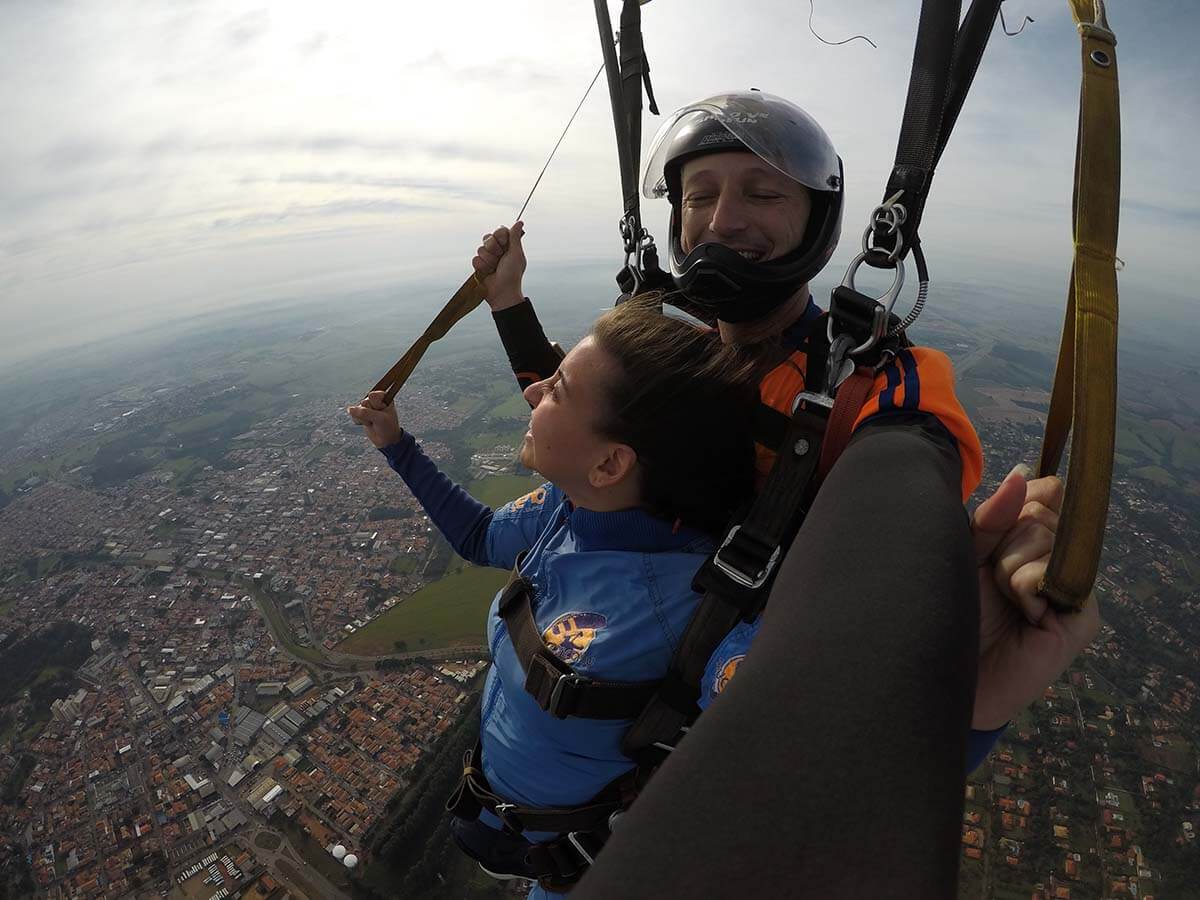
{"x":756,"y":193}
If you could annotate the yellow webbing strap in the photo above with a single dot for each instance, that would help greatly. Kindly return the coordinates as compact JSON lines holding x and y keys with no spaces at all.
{"x":1085,"y":383}
{"x":465,"y":299}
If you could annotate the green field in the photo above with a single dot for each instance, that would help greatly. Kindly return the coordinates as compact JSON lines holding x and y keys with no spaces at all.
{"x":515,"y":407}
{"x":488,"y":440}
{"x":268,"y":608}
{"x":451,"y":612}
{"x":497,"y":490}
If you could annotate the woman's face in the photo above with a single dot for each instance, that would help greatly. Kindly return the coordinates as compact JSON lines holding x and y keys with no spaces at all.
{"x":562,"y":442}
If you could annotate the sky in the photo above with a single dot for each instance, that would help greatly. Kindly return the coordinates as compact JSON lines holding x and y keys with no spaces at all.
{"x":162,"y":160}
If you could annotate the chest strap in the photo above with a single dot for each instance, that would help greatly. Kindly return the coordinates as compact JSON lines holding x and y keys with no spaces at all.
{"x":557,"y":688}
{"x":735,"y":582}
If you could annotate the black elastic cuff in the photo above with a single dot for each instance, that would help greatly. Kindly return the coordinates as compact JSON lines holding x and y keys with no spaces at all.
{"x":529,"y":351}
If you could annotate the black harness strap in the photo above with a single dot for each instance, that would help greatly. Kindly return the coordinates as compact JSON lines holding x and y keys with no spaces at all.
{"x":626,"y":78}
{"x":473,"y":793}
{"x":735,"y":582}
{"x":945,"y":60}
{"x":557,"y":688}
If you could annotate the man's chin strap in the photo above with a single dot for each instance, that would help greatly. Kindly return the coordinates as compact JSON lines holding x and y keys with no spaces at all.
{"x":770,"y":325}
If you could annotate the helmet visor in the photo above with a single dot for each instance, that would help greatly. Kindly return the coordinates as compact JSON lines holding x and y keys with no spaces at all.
{"x":778,"y":132}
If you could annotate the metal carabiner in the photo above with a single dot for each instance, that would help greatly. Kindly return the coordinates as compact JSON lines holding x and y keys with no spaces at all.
{"x":886,"y":302}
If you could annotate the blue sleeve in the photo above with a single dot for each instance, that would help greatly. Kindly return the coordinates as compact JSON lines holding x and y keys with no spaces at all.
{"x":462,"y":519}
{"x":517,"y":525}
{"x":979,"y":745}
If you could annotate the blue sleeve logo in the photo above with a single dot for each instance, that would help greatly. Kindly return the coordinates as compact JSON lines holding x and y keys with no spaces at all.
{"x":533,"y":498}
{"x":726,"y":672}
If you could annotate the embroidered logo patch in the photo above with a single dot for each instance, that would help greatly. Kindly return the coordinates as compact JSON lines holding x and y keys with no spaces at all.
{"x":726,"y":674}
{"x":534,"y":498}
{"x":570,"y":635}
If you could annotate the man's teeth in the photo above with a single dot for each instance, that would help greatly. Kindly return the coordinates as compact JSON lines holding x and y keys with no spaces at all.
{"x":752,"y":255}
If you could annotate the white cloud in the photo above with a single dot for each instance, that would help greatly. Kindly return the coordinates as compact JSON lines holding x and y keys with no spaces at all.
{"x":172,"y":158}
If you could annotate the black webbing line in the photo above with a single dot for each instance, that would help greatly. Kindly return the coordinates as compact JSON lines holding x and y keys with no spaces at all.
{"x":625,"y":80}
{"x":972,"y":40}
{"x":945,"y":60}
{"x":755,"y":546}
{"x":616,"y":95}
{"x":555,"y":686}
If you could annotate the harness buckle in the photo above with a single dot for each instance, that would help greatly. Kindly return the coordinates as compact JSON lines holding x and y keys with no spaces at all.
{"x":573,"y":679}
{"x":501,"y":810}
{"x":753,"y":580}
{"x":572,"y":836}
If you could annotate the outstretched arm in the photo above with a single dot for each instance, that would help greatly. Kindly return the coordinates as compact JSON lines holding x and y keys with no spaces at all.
{"x":833,"y":764}
{"x":500,"y":263}
{"x":461,"y":519}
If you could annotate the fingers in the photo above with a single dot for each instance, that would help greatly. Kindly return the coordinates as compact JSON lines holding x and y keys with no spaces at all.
{"x":1024,"y":582}
{"x":1076,"y":630}
{"x":1047,"y":490}
{"x":366,"y":411}
{"x":996,"y":515}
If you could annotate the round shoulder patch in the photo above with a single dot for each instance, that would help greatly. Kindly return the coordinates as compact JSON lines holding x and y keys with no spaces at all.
{"x":570,"y":635}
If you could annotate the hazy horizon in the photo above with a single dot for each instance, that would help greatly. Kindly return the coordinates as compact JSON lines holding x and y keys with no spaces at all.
{"x":177,"y":162}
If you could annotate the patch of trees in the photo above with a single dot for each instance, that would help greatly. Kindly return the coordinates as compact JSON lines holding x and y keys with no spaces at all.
{"x":64,"y":644}
{"x":16,"y":778}
{"x":379,"y":513}
{"x":413,"y":845}
{"x":47,"y":690}
{"x":16,"y":880}
{"x":385,"y":665}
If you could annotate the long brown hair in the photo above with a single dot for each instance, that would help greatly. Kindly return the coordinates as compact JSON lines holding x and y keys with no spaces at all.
{"x":685,"y":404}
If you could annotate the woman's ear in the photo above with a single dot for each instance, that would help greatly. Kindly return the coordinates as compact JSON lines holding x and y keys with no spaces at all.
{"x":616,"y":467}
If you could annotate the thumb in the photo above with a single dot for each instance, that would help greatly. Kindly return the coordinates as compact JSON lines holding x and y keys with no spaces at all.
{"x":998,"y":513}
{"x":515,"y":234}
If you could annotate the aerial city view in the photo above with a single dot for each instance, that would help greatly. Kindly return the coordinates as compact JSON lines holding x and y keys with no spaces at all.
{"x":239,"y":658}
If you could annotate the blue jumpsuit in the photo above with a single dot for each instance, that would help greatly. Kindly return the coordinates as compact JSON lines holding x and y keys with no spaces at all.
{"x":612,"y":597}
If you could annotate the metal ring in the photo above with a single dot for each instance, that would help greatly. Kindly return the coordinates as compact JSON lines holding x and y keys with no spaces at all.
{"x":893,"y":254}
{"x":890,"y":297}
{"x":1100,"y":58}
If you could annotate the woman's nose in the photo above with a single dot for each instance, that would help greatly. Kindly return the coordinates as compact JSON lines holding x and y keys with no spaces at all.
{"x":533,"y":393}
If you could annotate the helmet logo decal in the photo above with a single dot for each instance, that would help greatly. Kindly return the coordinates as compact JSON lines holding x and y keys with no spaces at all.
{"x":725,"y":675}
{"x":570,"y":635}
{"x":745,"y":118}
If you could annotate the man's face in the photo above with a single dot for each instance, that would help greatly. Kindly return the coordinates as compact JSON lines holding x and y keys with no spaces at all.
{"x":738,"y":200}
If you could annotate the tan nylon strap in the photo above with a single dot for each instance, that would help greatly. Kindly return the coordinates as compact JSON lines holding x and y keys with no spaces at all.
{"x":465,"y":299}
{"x":851,"y":397}
{"x":1085,"y":384}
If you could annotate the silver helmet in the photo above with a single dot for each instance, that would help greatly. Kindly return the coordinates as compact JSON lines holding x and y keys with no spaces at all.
{"x":785,"y":137}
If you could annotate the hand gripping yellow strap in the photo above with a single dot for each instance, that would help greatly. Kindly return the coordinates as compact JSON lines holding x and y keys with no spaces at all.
{"x":1085,"y":383}
{"x":465,"y":299}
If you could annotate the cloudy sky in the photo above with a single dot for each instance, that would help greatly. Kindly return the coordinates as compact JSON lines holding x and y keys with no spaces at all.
{"x":163,"y":159}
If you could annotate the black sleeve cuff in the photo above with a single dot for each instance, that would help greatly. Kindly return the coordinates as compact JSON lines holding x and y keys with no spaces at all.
{"x":530,"y":353}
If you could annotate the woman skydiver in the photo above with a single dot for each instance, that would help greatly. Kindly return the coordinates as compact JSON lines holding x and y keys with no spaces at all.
{"x":756,"y":192}
{"x":630,"y":429}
